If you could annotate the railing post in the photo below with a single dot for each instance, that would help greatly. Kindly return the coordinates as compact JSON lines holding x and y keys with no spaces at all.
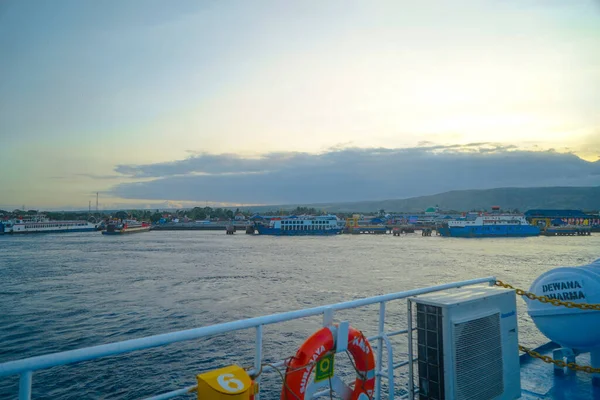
{"x":328,"y":317}
{"x":379,"y":360}
{"x":25,"y":385}
{"x":411,"y":383}
{"x":258,"y":357}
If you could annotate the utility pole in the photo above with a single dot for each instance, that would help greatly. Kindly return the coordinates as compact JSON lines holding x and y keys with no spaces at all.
{"x":96,"y":201}
{"x":90,"y":207}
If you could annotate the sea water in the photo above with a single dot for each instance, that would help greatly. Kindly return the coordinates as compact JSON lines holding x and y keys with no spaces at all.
{"x":66,"y":291}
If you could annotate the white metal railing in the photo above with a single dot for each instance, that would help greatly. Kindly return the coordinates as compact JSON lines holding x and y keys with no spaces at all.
{"x":27,"y":366}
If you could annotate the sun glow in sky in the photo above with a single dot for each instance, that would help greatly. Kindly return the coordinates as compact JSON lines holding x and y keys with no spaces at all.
{"x":86,"y":86}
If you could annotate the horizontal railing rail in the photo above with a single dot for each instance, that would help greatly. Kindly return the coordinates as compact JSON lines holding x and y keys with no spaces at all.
{"x":25,"y":367}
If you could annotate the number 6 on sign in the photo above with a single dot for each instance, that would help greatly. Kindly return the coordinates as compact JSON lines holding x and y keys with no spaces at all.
{"x":229,"y":383}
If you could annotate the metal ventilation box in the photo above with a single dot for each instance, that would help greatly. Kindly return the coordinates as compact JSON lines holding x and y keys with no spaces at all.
{"x":467,"y":344}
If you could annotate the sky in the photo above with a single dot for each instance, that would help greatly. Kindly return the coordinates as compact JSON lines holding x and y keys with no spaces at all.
{"x":154,"y":103}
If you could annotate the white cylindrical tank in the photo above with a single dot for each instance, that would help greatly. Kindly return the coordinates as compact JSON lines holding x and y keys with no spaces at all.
{"x":570,"y":327}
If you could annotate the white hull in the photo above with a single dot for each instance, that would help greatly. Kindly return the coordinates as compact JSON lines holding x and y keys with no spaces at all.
{"x":51,"y":227}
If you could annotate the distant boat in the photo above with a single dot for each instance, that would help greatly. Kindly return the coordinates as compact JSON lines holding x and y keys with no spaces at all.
{"x":491,"y":226}
{"x":126,"y":226}
{"x":41,"y":224}
{"x":301,"y":226}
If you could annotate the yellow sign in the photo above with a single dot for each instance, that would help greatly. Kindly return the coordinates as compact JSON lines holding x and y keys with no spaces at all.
{"x":226,"y":383}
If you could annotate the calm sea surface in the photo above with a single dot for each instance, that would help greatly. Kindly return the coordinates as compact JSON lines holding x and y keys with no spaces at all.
{"x":66,"y":291}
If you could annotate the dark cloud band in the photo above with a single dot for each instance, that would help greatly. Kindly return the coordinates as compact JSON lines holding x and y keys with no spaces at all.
{"x":353,"y":174}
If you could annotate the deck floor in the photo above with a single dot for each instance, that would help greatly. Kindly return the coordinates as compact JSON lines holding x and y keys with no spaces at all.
{"x":538,"y":380}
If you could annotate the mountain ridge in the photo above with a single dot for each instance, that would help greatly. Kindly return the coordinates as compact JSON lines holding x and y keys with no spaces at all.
{"x":508,"y":198}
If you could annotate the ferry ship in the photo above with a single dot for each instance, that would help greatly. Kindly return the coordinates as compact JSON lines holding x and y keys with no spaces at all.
{"x":458,"y":341}
{"x":490,"y":226}
{"x":5,"y":226}
{"x":301,"y":226}
{"x":126,"y":226}
{"x":41,"y":224}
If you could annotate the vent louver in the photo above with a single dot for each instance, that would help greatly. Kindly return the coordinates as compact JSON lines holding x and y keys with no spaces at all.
{"x":430,"y":352}
{"x":478,"y":359}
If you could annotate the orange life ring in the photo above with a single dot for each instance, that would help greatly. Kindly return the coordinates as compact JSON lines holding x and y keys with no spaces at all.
{"x":320,"y":344}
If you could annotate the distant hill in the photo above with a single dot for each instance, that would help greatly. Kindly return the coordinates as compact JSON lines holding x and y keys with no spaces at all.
{"x":581,"y":198}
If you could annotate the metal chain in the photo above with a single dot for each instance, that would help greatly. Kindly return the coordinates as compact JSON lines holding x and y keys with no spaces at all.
{"x":554,"y":302}
{"x":547,"y":300}
{"x":559,"y":363}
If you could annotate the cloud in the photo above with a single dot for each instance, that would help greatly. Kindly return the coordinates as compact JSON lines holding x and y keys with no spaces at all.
{"x":352,"y":174}
{"x":591,"y":144}
{"x":160,"y":205}
{"x":100,"y":177}
{"x":219,"y":164}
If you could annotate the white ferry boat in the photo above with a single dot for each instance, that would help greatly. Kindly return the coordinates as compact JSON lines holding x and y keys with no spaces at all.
{"x":491,"y":226}
{"x":40,"y":224}
{"x":459,"y":341}
{"x":301,"y":226}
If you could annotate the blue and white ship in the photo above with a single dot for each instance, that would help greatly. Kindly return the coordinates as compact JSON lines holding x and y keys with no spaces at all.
{"x":5,"y":226}
{"x":491,"y":226}
{"x":301,"y":226}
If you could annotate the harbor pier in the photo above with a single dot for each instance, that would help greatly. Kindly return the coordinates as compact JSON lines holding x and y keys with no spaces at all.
{"x":193,"y":226}
{"x":567,"y":231}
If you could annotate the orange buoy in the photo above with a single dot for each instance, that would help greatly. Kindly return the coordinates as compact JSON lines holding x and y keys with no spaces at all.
{"x":321,"y":344}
